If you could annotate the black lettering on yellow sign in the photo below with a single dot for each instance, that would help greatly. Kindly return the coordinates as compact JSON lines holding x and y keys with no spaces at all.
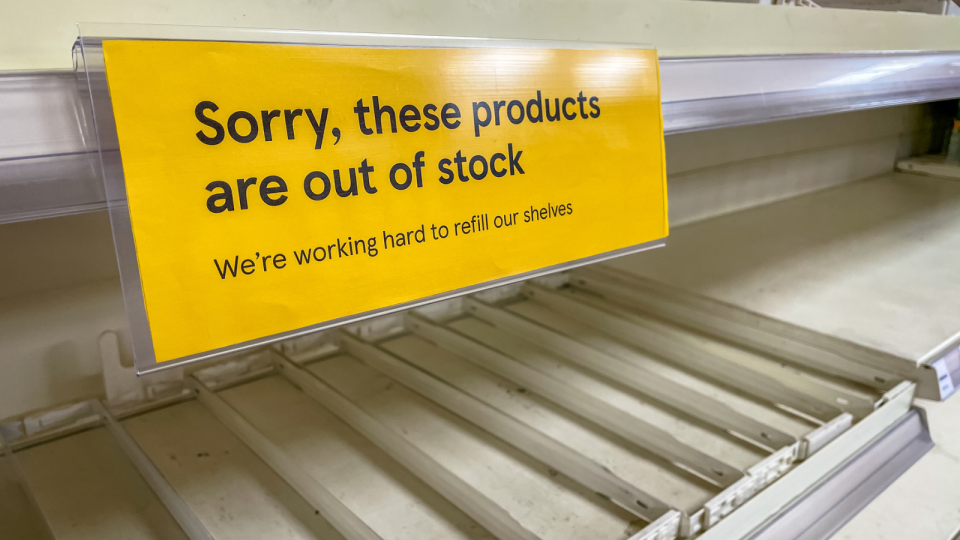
{"x":532,"y":112}
{"x":377,"y":118}
{"x":251,"y":127}
{"x":338,"y":248}
{"x":299,"y":184}
{"x":318,"y":185}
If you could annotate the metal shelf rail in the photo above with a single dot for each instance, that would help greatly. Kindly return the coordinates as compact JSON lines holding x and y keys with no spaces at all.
{"x":48,"y":154}
{"x":536,"y":410}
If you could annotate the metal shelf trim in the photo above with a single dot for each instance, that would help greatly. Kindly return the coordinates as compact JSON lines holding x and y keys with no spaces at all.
{"x":49,"y":167}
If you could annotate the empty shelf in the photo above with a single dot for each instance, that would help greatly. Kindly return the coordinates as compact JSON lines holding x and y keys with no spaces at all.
{"x":537,"y":411}
{"x":867,"y":271}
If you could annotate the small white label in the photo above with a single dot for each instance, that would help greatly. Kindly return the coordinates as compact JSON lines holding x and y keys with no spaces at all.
{"x":944,"y":368}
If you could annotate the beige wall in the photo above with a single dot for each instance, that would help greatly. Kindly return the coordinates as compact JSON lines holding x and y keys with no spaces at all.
{"x":37,"y":34}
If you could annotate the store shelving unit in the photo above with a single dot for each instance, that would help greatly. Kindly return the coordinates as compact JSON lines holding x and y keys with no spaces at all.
{"x":730,"y":386}
{"x":531,"y":411}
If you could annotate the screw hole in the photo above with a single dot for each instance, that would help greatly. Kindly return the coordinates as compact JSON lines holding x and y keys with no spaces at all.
{"x":641,"y":505}
{"x":765,"y":435}
{"x":718,"y":472}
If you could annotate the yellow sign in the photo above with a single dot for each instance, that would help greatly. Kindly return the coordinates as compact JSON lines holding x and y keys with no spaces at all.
{"x":276,"y":187}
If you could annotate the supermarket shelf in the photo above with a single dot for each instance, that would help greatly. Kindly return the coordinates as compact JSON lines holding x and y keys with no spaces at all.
{"x":526,"y":412}
{"x":49,"y":165}
{"x":859,"y":279}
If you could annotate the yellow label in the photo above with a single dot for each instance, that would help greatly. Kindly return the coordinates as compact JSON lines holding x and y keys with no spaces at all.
{"x":275,"y":187}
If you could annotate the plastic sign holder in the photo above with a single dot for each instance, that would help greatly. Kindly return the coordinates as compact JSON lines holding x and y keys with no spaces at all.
{"x":268,"y":184}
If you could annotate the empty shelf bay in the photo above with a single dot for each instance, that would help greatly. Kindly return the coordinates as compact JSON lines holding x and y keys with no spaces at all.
{"x":863,"y":276}
{"x":537,"y":411}
{"x":786,"y":422}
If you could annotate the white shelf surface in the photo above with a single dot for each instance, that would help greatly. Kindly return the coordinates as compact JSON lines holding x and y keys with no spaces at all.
{"x":874,"y":262}
{"x":49,"y":164}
